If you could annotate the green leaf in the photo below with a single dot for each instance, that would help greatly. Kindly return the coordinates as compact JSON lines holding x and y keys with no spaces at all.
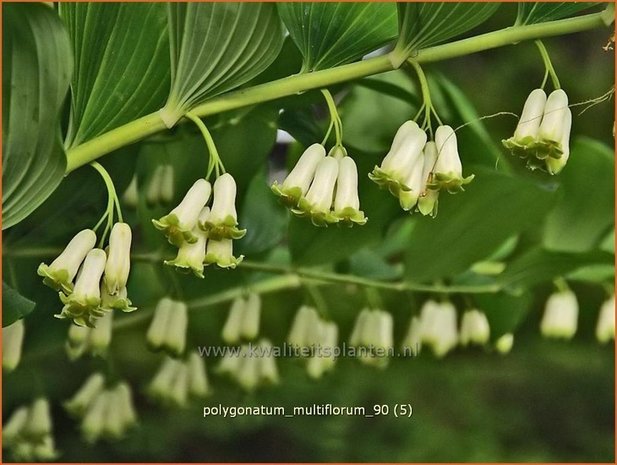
{"x":333,"y":33}
{"x":540,"y":12}
{"x":539,"y":265}
{"x":216,"y":47}
{"x":428,"y":23}
{"x":585,"y":210}
{"x":14,"y":305}
{"x":37,"y":66}
{"x":473,"y":224}
{"x":121,"y":65}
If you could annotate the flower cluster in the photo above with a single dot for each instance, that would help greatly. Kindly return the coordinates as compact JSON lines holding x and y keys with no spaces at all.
{"x":308,"y":330}
{"x":167,"y":330}
{"x":82,"y":339}
{"x":12,"y":342}
{"x":251,"y":366}
{"x":243,"y":319}
{"x":323,"y":188}
{"x":100,"y":277}
{"x":105,"y":412}
{"x":542,"y":136}
{"x":416,"y":170}
{"x":204,"y":235}
{"x":373,"y":332}
{"x":27,"y":433}
{"x":178,"y":381}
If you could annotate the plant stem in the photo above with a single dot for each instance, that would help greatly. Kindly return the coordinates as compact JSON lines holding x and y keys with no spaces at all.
{"x":548,"y":65}
{"x":152,"y":123}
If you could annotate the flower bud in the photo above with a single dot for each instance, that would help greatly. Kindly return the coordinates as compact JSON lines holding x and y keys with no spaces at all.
{"x":83,"y":398}
{"x":118,"y":259}
{"x":318,"y":200}
{"x":161,"y":384}
{"x":504,"y":343}
{"x":297,"y":183}
{"x":223,"y":220}
{"x":555,"y":165}
{"x":429,"y":198}
{"x":125,"y":404}
{"x":438,"y":327}
{"x":325,"y":335}
{"x":82,"y":305}
{"x":268,"y":371}
{"x":346,"y":200}
{"x":605,"y":328}
{"x":159,"y":324}
{"x":360,"y":329}
{"x":560,"y":315}
{"x":198,"y":378}
{"x":100,"y":335}
{"x":221,"y":253}
{"x":179,"y":392}
{"x":403,"y":156}
{"x":179,"y":223}
{"x":12,"y":342}
{"x":59,"y":275}
{"x":251,"y":317}
{"x":552,"y":125}
{"x":300,"y":334}
{"x":232,"y":329}
{"x":474,"y":328}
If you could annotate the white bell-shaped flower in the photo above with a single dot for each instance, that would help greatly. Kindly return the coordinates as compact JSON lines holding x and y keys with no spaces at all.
{"x":302,"y":327}
{"x":198,"y":378}
{"x":159,"y":324}
{"x":166,"y":192}
{"x":12,"y":342}
{"x":412,"y":344}
{"x":268,"y":371}
{"x":223,"y":220}
{"x":60,"y":274}
{"x":243,"y":319}
{"x":404,"y":155}
{"x":298,"y":181}
{"x":560,"y":318}
{"x":325,"y":335}
{"x":93,"y":423}
{"x":428,"y":201}
{"x":605,"y":327}
{"x":179,"y":394}
{"x":81,"y":401}
{"x":529,"y":123}
{"x":359,"y":333}
{"x":14,"y":427}
{"x":38,"y":424}
{"x":552,"y":125}
{"x":231,"y":333}
{"x":372,"y":334}
{"x":317,"y":203}
{"x":130,"y":198}
{"x":100,"y":335}
{"x":153,"y":189}
{"x":180,"y":222}
{"x":191,"y":255}
{"x":161,"y":385}
{"x":448,"y":171}
{"x":167,"y":330}
{"x":475,"y":328}
{"x":408,"y":199}
{"x":125,"y":404}
{"x":118,"y":263}
{"x":504,"y":343}
{"x":439,"y":328}
{"x":555,"y":165}
{"x":346,"y":199}
{"x":82,"y":305}
{"x":221,"y":253}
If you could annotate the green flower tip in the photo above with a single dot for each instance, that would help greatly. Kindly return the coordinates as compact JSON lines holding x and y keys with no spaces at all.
{"x":56,"y":279}
{"x":223,"y":262}
{"x":175,"y":235}
{"x":185,"y":267}
{"x":289,"y":196}
{"x":350,"y":216}
{"x":450,"y":182}
{"x":319,"y":218}
{"x":385,"y":180}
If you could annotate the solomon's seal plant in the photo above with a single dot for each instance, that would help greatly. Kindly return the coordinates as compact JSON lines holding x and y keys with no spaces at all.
{"x":257,"y":146}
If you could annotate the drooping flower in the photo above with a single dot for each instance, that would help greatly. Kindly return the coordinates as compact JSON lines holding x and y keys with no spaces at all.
{"x":372,"y":334}
{"x":12,"y":342}
{"x":60,"y":274}
{"x":438,"y":327}
{"x":93,"y":422}
{"x":118,"y":263}
{"x":504,"y":343}
{"x":178,"y":381}
{"x":94,"y":340}
{"x":297,"y":183}
{"x":543,"y":132}
{"x":38,"y":424}
{"x":130,"y":198}
{"x":405,"y":153}
{"x":605,"y":327}
{"x":198,"y":378}
{"x":83,"y":304}
{"x":325,"y":338}
{"x":79,"y":403}
{"x":179,"y":223}
{"x":474,"y":328}
{"x":243,"y":319}
{"x":220,"y":252}
{"x":413,"y":338}
{"x":167,"y":330}
{"x":448,"y":171}
{"x":120,"y":301}
{"x":346,"y":200}
{"x":302,"y":328}
{"x":191,"y":255}
{"x":27,"y":433}
{"x":160,"y":188}
{"x":222,"y":223}
{"x":428,"y":202}
{"x":560,"y":318}
{"x":317,"y":203}
{"x":252,"y":368}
